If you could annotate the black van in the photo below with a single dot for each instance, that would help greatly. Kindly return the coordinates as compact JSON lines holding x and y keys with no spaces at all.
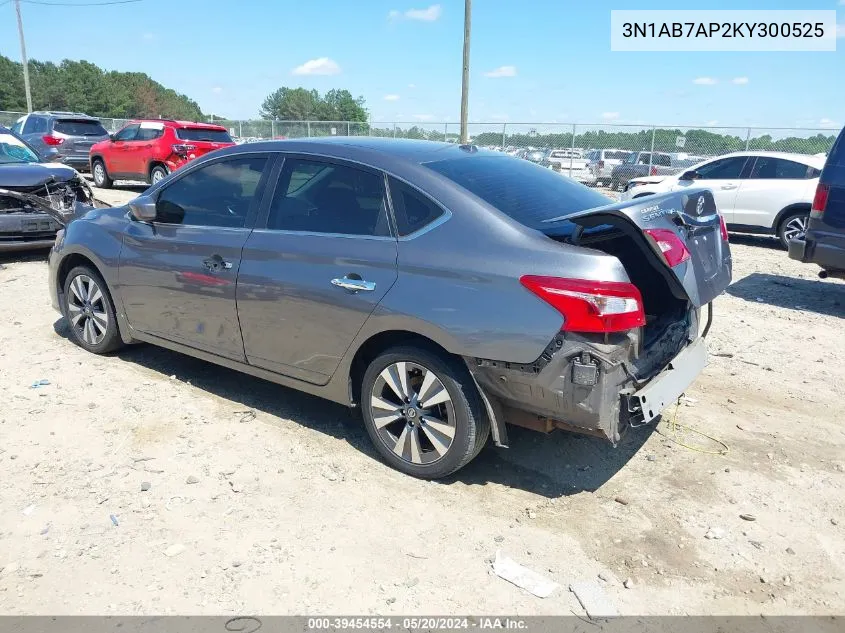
{"x":824,"y":243}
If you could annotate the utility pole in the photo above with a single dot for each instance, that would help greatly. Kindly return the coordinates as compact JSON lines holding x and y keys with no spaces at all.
{"x":23,"y":58}
{"x":465,"y":78}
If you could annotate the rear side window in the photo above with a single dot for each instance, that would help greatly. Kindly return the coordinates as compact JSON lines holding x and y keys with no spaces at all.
{"x":768,"y":168}
{"x":149,"y":134}
{"x":664,"y":160}
{"x":616,"y":155}
{"x":35,"y":125}
{"x":327,"y":197}
{"x":412,"y":209}
{"x":521,"y":190}
{"x":76,"y":127}
{"x":201,"y":134}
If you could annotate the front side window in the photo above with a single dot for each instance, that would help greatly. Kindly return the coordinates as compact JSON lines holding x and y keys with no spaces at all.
{"x":221,"y":194}
{"x":128,"y":133}
{"x":412,"y":209}
{"x":723,"y":169}
{"x":13,"y":150}
{"x":325,"y":197}
{"x":768,"y":168}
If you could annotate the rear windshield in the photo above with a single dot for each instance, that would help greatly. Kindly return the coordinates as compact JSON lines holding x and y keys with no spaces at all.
{"x":75,"y":127}
{"x":834,"y":169}
{"x":524,"y":191}
{"x":201,"y":134}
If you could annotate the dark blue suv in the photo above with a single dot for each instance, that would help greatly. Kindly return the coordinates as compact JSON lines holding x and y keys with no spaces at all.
{"x":824,"y":243}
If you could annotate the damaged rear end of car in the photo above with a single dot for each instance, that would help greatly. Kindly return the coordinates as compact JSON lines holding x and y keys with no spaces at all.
{"x":625,"y":350}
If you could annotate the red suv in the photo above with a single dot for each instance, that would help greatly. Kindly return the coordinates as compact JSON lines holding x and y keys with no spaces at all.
{"x":148,"y":150}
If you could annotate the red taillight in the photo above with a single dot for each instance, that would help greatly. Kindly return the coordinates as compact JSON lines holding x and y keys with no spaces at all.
{"x":653,"y":171}
{"x":723,"y":227}
{"x":183,"y":149}
{"x":52,"y":140}
{"x":590,"y":306}
{"x":819,"y":201}
{"x":670,"y":245}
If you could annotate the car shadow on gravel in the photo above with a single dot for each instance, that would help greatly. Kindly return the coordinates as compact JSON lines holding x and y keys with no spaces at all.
{"x":761,"y":241}
{"x":551,"y":465}
{"x":15,"y":257}
{"x":554,"y":465}
{"x":802,"y":295}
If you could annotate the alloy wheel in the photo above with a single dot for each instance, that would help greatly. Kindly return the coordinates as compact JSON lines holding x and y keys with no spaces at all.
{"x":99,"y":173}
{"x":413,"y":413}
{"x":157,"y":175}
{"x":795,"y":228}
{"x":87,"y":310}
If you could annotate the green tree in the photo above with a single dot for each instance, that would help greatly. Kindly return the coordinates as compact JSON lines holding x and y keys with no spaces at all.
{"x":81,"y":86}
{"x":299,"y":104}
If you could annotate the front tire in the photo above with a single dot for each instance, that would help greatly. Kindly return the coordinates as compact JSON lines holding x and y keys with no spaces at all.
{"x":793,"y":226}
{"x":100,"y":175}
{"x":423,"y":412}
{"x":90,"y":311}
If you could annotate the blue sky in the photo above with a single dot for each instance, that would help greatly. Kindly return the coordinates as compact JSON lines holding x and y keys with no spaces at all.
{"x":532,"y":60}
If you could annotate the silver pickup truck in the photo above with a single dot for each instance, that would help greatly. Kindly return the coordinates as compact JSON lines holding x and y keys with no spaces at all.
{"x":640,"y":164}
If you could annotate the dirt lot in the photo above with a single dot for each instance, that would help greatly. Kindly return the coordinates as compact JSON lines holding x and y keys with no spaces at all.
{"x":289,"y":511}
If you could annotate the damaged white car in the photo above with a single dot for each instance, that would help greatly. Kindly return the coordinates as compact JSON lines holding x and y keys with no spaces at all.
{"x":36,"y":198}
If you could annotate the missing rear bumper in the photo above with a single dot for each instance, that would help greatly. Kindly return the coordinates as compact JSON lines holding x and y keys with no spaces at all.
{"x":664,"y":389}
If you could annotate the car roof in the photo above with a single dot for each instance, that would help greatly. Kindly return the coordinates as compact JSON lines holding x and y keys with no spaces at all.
{"x":179,"y":124}
{"x":370,"y":148}
{"x":807,"y":159}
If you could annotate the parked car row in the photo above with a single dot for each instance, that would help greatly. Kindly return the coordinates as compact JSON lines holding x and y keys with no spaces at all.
{"x":143,"y":149}
{"x":757,"y":192}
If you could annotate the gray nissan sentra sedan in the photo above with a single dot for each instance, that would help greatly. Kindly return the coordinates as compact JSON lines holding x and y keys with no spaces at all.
{"x":444,"y":290}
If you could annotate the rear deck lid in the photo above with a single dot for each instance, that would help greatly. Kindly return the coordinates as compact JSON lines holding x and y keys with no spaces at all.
{"x":681,"y":231}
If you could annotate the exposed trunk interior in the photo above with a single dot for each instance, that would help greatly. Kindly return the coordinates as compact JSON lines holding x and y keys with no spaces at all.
{"x":667,"y":314}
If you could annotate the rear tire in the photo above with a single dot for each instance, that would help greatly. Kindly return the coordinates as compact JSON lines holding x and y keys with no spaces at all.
{"x":428,"y":424}
{"x":100,"y":175}
{"x":158,"y":172}
{"x":90,"y":313}
{"x":792,"y":226}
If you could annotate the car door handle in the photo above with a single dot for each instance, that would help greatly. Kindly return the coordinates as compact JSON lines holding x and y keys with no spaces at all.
{"x":729,"y":186}
{"x":216,"y":263}
{"x":354,"y":285}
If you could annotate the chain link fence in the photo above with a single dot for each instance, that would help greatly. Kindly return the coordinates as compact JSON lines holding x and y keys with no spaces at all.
{"x":566,"y":146}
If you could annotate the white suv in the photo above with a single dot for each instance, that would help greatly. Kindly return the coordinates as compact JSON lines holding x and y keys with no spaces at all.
{"x":757,"y":192}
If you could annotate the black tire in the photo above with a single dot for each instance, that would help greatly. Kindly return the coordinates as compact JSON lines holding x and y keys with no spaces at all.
{"x":471,"y":426}
{"x":100,"y":176}
{"x":614,"y":185}
{"x":80,"y":310}
{"x":157,"y":172}
{"x":788,"y":224}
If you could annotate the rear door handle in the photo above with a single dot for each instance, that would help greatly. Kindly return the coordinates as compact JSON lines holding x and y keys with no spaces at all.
{"x":729,"y":186}
{"x":354,"y":285}
{"x":216,"y":263}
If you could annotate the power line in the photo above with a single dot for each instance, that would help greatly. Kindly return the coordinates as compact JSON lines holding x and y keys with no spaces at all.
{"x":78,"y":4}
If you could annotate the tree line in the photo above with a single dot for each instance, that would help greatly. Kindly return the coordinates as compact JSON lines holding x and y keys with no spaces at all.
{"x":80,"y":86}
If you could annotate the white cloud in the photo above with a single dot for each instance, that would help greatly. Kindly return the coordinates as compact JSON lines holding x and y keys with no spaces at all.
{"x":391,"y":97}
{"x":217,"y":90}
{"x":829,"y":123}
{"x":740,"y":81}
{"x":148,"y":36}
{"x":412,"y":86}
{"x":705,"y":81}
{"x":712,"y":123}
{"x":319,"y":66}
{"x":840,"y":30}
{"x":424,"y":117}
{"x":430,"y":14}
{"x":609,"y":116}
{"x":502,"y":71}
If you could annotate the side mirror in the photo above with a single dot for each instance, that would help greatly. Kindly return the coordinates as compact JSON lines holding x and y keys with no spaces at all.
{"x":690,"y":175}
{"x":143,"y":209}
{"x":112,"y":138}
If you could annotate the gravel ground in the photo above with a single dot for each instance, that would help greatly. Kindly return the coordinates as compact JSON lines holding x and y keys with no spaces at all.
{"x":148,"y":482}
